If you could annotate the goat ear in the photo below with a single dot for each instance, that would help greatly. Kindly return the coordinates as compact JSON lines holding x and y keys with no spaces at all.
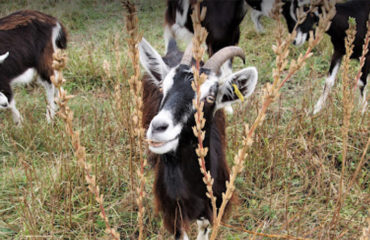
{"x":152,"y":61}
{"x":238,"y":86}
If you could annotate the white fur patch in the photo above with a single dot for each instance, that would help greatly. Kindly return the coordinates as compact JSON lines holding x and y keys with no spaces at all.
{"x":24,"y":78}
{"x":181,"y":18}
{"x":181,"y":33}
{"x":17,"y":118}
{"x":3,"y":101}
{"x":178,"y":29}
{"x":50,"y":94}
{"x":205,"y":88}
{"x":167,"y":35}
{"x":3,"y":57}
{"x":255,"y":16}
{"x":55,"y":34}
{"x":203,"y":229}
{"x":300,"y":39}
{"x":363,"y":103}
{"x":266,"y":7}
{"x":185,"y":237}
{"x":302,"y":3}
{"x":329,"y":83}
{"x":293,"y":12}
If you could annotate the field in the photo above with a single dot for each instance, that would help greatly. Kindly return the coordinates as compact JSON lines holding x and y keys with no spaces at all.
{"x":290,"y":184}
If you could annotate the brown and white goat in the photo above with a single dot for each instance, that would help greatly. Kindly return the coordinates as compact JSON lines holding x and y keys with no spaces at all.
{"x":180,"y":193}
{"x":28,"y":40}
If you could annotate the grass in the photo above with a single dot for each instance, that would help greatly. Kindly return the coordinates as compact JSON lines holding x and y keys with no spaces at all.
{"x":291,"y":180}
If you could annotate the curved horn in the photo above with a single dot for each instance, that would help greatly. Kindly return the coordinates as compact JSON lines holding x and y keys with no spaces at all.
{"x":188,"y":55}
{"x":215,"y":62}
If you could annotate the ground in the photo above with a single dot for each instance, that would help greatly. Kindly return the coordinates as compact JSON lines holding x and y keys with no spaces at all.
{"x":291,"y":178}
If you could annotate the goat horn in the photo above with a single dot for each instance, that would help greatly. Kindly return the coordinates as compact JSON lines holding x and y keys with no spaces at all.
{"x":188,"y":55}
{"x":216,"y":61}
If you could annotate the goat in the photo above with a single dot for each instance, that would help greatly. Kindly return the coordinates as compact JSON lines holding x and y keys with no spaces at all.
{"x":28,"y":40}
{"x":168,"y":116}
{"x":222,"y":22}
{"x":358,"y":9}
{"x":264,"y":8}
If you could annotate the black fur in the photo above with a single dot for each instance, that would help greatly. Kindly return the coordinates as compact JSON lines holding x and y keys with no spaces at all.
{"x":358,"y":9}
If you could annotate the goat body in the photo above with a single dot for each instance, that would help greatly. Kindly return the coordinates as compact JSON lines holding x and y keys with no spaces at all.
{"x":359,"y":10}
{"x":168,"y":116}
{"x":264,"y":8}
{"x":222,"y":22}
{"x":28,"y":40}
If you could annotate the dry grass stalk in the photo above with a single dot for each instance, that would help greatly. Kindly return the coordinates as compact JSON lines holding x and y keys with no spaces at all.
{"x":136,"y":90}
{"x":199,"y":38}
{"x":366,"y":231}
{"x":121,"y":101}
{"x":264,"y":234}
{"x":347,"y":110}
{"x":359,"y":166}
{"x":59,"y":63}
{"x":272,"y":91}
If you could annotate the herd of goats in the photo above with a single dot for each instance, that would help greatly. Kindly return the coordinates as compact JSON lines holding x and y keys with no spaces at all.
{"x":29,"y":38}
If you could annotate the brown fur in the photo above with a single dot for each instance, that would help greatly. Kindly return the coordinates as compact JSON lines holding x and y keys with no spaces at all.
{"x":23,"y":18}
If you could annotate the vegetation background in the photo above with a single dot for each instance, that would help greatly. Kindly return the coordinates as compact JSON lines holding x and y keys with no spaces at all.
{"x":291,"y":180}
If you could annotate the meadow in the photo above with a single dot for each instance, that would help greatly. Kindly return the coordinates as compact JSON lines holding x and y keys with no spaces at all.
{"x":290,"y":184}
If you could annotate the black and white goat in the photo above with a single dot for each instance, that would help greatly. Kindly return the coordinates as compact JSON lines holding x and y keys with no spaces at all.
{"x":222,"y":22}
{"x":358,"y":9}
{"x":180,"y":193}
{"x":28,"y":40}
{"x":264,"y":8}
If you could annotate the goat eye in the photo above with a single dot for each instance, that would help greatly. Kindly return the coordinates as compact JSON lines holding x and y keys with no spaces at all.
{"x":210,"y":99}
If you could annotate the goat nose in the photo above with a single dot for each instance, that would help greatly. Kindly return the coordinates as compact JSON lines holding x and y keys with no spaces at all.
{"x":159,"y":127}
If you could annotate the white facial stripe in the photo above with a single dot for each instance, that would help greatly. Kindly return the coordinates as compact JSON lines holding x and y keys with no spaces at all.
{"x":300,"y":39}
{"x":25,"y":78}
{"x":168,"y":82}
